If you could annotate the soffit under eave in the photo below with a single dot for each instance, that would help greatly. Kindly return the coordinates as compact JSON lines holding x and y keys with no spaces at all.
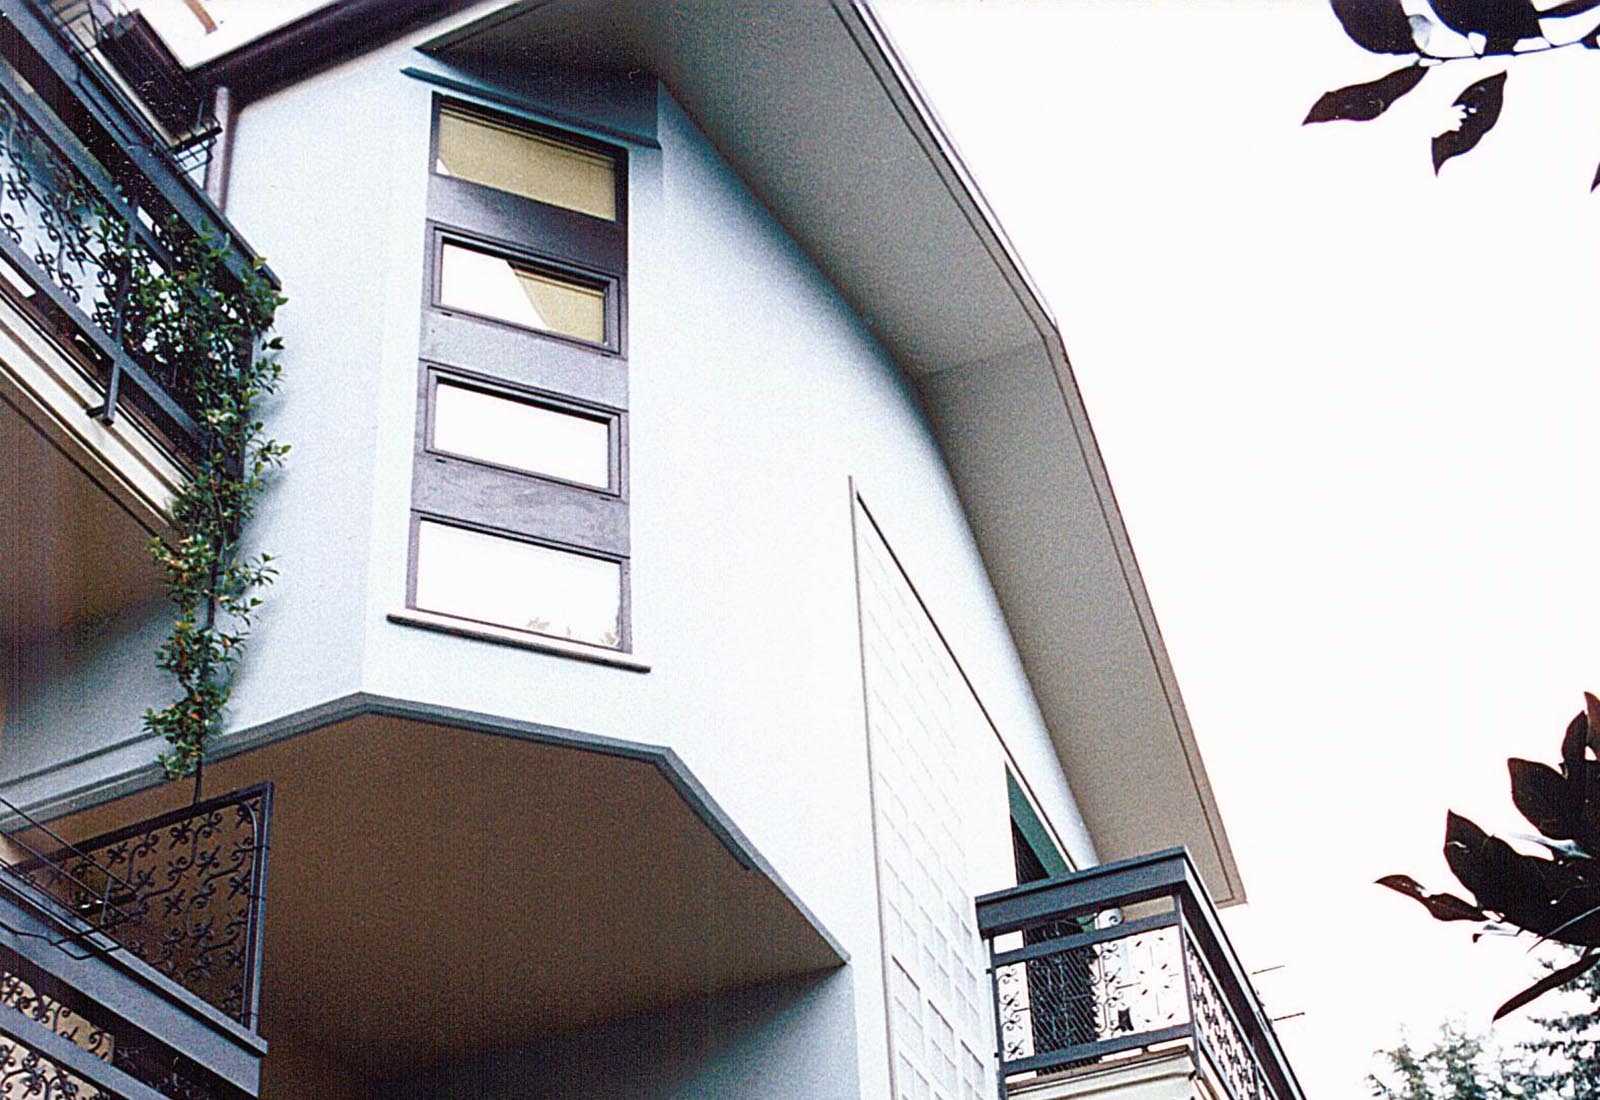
{"x":1036,"y":495}
{"x":1172,"y":716}
{"x":786,"y":92}
{"x":808,"y":103}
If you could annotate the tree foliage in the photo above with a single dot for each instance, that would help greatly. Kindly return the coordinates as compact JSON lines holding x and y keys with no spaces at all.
{"x":1458,"y":1066}
{"x":1560,"y":1062}
{"x":1563,"y":1062}
{"x":1445,"y":31}
{"x":1554,"y":895}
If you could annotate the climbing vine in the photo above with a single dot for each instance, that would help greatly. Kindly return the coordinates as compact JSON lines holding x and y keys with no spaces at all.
{"x":202,"y":325}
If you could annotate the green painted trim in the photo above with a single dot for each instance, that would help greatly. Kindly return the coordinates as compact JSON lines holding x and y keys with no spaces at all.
{"x":1033,"y":830}
{"x":531,"y":108}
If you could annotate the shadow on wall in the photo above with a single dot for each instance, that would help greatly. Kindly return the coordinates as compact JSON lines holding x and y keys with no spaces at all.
{"x":794,"y":1039}
{"x":82,"y":690}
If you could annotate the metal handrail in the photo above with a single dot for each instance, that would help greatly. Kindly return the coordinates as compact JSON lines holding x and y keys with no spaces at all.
{"x":92,"y":910}
{"x":73,"y":198}
{"x":84,"y":27}
{"x":164,"y":908}
{"x":1054,"y":990}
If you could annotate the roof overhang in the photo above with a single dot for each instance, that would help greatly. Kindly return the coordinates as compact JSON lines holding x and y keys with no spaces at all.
{"x":810,"y":104}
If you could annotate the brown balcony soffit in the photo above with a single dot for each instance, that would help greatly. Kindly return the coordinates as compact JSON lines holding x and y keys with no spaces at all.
{"x":443,"y":884}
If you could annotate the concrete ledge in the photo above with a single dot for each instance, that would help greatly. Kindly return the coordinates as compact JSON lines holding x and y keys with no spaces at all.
{"x":1164,"y":1075}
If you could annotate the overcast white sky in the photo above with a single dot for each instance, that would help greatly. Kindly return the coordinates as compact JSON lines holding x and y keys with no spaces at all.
{"x":1350,"y":412}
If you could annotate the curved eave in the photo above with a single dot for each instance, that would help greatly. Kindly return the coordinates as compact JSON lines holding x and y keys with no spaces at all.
{"x":1052,"y":536}
{"x":810,"y":104}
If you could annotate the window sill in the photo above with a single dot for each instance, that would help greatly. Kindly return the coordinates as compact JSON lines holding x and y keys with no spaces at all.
{"x":500,"y":635}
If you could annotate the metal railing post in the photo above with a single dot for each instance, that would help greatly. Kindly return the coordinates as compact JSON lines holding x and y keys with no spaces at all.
{"x":106,"y":412}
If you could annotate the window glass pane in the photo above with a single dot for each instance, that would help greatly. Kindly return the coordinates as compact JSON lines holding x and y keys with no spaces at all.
{"x":509,"y":290}
{"x":518,"y":584}
{"x":526,"y":164}
{"x":522,"y":435}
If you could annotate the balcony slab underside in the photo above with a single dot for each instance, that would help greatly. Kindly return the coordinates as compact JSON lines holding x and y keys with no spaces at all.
{"x":437,"y":893}
{"x":69,"y":550}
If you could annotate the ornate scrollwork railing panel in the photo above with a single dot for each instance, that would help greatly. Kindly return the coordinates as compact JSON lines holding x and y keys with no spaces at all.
{"x":25,"y":1074}
{"x":1091,"y":993}
{"x":1229,"y":1051}
{"x":51,"y":213}
{"x":18,"y":993}
{"x":182,"y":891}
{"x":71,"y":242}
{"x":46,"y":1000}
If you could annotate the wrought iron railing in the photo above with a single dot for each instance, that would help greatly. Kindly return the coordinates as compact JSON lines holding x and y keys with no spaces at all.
{"x":1120,"y":962}
{"x":49,"y":1007}
{"x":88,"y":199}
{"x":183,"y":891}
{"x":178,"y":121}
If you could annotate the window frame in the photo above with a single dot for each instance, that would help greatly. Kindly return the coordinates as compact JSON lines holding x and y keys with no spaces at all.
{"x":624,"y":579}
{"x":441,"y":235}
{"x":617,"y":154}
{"x":510,"y":391}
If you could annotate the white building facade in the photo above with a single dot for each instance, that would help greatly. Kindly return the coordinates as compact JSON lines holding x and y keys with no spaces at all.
{"x":698,"y":585}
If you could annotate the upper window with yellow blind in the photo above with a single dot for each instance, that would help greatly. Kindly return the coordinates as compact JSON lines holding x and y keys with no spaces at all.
{"x":527,"y":163}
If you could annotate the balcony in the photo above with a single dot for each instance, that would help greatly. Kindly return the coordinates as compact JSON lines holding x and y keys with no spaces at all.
{"x":444,"y":896}
{"x":1120,"y":980}
{"x":91,"y":184}
{"x":128,"y":964}
{"x":97,"y":430}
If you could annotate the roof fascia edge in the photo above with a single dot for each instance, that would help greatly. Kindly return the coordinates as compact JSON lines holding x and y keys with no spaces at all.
{"x":318,"y":40}
{"x":877,"y":48}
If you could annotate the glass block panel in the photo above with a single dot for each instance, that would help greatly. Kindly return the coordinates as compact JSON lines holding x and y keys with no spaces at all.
{"x":520,"y":585}
{"x":523,"y":435}
{"x":519,"y":293}
{"x":528,"y":164}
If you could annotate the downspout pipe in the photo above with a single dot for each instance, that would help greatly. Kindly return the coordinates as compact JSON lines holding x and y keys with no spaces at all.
{"x":218,"y":167}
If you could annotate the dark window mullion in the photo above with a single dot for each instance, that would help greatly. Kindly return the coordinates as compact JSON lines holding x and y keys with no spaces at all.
{"x":524,"y":504}
{"x":549,"y":230}
{"x":524,"y":358}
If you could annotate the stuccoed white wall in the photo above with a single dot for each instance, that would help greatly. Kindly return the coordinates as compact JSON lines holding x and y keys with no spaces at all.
{"x":76,"y":698}
{"x":756,"y":396}
{"x":312,"y":190}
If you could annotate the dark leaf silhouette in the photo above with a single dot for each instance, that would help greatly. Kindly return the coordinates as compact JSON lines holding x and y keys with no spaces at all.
{"x":1552,"y":803}
{"x":1571,"y":7}
{"x":1538,"y":894}
{"x":1554,"y":895}
{"x":1442,"y":906}
{"x":1364,"y":102}
{"x":1491,"y":28}
{"x":1545,"y":984}
{"x":1380,"y":26}
{"x":1573,"y":743}
{"x":1480,"y":103}
{"x":1501,"y":22}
